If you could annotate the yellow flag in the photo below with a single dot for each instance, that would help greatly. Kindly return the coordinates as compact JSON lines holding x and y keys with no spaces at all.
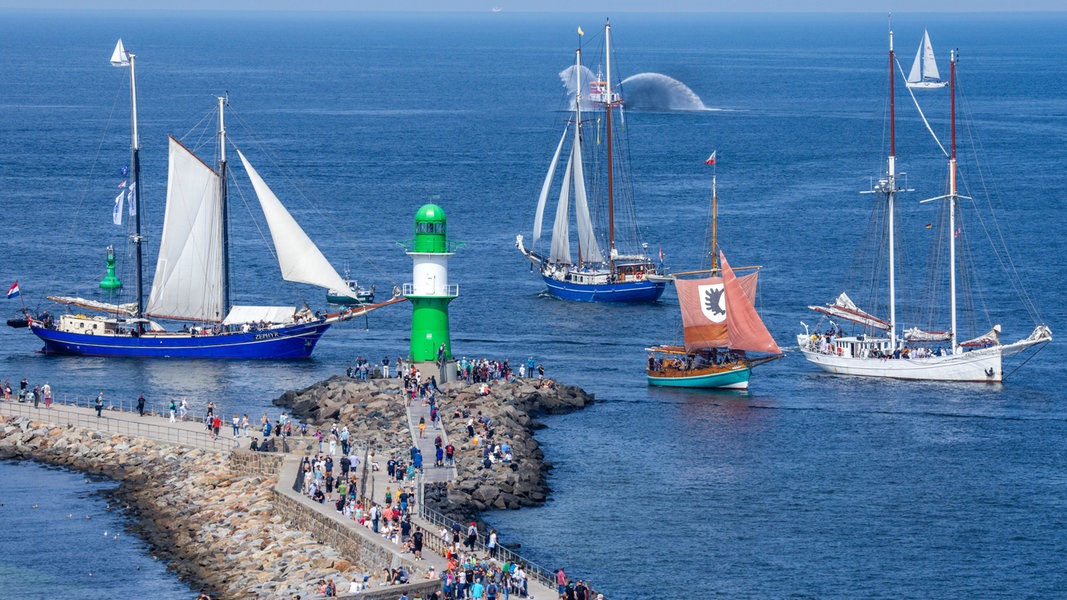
{"x":580,"y":32}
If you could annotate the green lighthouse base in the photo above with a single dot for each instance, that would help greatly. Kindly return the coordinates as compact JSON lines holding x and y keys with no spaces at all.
{"x":446,"y":375}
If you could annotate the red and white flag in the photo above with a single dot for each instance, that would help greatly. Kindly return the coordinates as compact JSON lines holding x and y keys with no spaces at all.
{"x":711,"y":159}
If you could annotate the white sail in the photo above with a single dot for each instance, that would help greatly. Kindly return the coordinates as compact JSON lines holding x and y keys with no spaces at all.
{"x":929,"y":64}
{"x":561,"y":243}
{"x":916,"y":73}
{"x":300,"y":260}
{"x":587,"y":245}
{"x":119,"y":58}
{"x":188,"y":279}
{"x":545,"y":188}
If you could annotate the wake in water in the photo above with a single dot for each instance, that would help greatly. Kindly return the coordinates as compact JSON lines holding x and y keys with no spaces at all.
{"x":644,"y":91}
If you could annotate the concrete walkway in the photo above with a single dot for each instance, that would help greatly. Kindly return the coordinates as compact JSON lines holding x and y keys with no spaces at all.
{"x":154,"y":427}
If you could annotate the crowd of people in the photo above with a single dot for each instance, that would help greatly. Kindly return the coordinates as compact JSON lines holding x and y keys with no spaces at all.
{"x":37,"y":394}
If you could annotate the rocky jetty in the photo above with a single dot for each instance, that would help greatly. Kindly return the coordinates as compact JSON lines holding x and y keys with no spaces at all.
{"x":374,"y":412}
{"x":217,"y":528}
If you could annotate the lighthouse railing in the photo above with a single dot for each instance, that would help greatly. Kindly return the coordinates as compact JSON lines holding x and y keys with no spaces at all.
{"x":451,"y":290}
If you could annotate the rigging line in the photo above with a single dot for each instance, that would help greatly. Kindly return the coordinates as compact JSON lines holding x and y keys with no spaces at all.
{"x":1035,"y":353}
{"x":203,"y":131}
{"x":919,"y":108}
{"x":1014,"y":277}
{"x":311,"y":202}
{"x":1001,"y":250}
{"x":87,"y":185}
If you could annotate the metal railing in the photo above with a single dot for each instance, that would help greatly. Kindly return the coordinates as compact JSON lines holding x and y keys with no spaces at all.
{"x":65,"y":414}
{"x":451,"y":289}
{"x":433,"y":541}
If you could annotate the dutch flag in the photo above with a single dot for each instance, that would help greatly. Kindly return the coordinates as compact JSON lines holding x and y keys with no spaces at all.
{"x":13,"y":291}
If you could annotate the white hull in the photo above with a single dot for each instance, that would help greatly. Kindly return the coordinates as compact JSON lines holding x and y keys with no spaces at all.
{"x":980,"y":364}
{"x":926,"y":85}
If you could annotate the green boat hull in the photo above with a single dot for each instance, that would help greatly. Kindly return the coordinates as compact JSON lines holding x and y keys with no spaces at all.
{"x":736,"y":379}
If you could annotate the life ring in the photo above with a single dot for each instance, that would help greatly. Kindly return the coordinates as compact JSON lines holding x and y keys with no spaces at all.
{"x":639,"y":275}
{"x":839,"y":351}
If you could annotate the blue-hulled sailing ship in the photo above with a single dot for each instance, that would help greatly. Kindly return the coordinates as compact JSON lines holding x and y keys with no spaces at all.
{"x":191,"y":282}
{"x":609,"y":262}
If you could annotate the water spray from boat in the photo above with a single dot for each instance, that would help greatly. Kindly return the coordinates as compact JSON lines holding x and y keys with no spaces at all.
{"x":644,"y":91}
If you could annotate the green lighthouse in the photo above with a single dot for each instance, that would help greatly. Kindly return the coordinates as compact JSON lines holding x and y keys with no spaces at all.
{"x":429,"y":291}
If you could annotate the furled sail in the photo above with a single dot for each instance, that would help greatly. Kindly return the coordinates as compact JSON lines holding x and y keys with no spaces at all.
{"x":188,"y":279}
{"x":708,"y":311}
{"x":561,"y":234}
{"x":844,"y":308}
{"x":300,"y":260}
{"x":989,"y":339}
{"x":118,"y":309}
{"x":914,"y":334}
{"x":545,"y":188}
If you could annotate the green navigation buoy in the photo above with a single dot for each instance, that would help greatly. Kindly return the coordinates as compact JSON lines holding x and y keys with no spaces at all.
{"x":430,"y":292}
{"x":110,"y":282}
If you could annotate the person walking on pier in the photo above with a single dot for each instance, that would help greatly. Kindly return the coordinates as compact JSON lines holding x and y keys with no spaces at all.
{"x":171,"y":408}
{"x":37,"y":396}
{"x":140,"y":406}
{"x":472,"y":536}
{"x":47,"y":391}
{"x":99,"y":404}
{"x":492,"y":543}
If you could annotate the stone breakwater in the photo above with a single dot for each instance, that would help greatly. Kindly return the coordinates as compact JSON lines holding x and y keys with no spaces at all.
{"x":211,"y":516}
{"x":374,"y":412}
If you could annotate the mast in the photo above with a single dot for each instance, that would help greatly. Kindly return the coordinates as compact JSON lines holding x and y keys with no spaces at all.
{"x":135,"y":165}
{"x":578,"y":132}
{"x":714,"y":227}
{"x":952,"y":198}
{"x":890,"y":190}
{"x":611,"y":181}
{"x":225,"y":213}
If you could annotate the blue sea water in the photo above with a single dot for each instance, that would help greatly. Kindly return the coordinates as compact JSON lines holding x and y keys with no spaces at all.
{"x":65,"y":537}
{"x":807,"y":486}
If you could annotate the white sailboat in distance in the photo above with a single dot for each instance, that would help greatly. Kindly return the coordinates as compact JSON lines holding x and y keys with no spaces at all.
{"x":924,"y":74}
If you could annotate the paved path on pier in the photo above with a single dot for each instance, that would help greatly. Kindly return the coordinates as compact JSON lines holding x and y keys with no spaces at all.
{"x":154,"y":427}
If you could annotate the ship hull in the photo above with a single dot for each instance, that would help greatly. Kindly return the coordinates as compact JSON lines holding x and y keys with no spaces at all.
{"x":977,"y":365}
{"x":281,"y":343}
{"x":629,"y":291}
{"x":734,"y":379}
